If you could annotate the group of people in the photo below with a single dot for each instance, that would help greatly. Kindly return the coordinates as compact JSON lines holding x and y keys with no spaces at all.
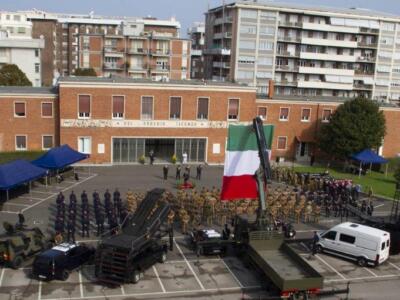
{"x":67,"y":214}
{"x":186,"y":172}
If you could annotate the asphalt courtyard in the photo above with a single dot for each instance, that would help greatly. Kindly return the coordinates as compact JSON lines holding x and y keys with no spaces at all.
{"x":183,"y":275}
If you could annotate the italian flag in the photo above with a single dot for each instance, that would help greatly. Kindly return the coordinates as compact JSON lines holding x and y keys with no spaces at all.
{"x":241,"y":162}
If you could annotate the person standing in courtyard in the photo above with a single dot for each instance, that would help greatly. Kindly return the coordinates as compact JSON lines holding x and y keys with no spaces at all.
{"x":165,"y":172}
{"x":198,"y":172}
{"x":184,"y":158}
{"x":151,"y":155}
{"x":178,"y":172}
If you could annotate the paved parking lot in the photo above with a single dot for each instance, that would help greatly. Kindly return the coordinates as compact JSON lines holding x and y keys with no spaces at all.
{"x":182,"y":276}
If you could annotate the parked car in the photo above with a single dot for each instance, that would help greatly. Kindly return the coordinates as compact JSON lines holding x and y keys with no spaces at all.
{"x":207,"y":241}
{"x":363,"y":244}
{"x":58,"y":262}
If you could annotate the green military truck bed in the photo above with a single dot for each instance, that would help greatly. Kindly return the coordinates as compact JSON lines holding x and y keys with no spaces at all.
{"x":281,"y":264}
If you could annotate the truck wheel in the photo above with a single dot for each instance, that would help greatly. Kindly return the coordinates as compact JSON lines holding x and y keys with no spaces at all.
{"x":17,"y":262}
{"x":361,"y":261}
{"x":135,"y":276}
{"x":64,"y":275}
{"x":163,"y":257}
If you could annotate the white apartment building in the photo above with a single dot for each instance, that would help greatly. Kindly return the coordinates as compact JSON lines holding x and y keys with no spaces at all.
{"x":18,"y":47}
{"x":290,"y":50}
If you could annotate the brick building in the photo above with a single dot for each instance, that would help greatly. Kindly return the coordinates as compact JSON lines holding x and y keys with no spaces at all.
{"x":117,"y":120}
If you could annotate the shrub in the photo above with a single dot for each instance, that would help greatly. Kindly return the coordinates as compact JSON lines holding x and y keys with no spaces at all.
{"x":142,"y":159}
{"x":174,"y":159}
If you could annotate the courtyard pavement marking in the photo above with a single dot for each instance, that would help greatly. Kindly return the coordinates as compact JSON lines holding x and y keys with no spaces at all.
{"x":193,"y":260}
{"x":394,"y":266}
{"x":29,"y":198}
{"x":188,"y":264}
{"x":17,"y":204}
{"x":40,"y":290}
{"x":154,"y":294}
{"x":233,"y":275}
{"x":122,"y":290}
{"x":159,"y":279}
{"x":362,"y":278}
{"x":332,"y":268}
{"x":80,"y":283}
{"x":54,"y":194}
{"x":380,"y":205}
{"x":369,"y":271}
{"x":1,"y":276}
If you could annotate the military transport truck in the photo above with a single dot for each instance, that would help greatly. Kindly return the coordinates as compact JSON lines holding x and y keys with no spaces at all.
{"x":18,"y":243}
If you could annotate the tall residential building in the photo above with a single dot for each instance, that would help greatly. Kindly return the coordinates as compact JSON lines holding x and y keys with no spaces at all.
{"x":124,"y":46}
{"x":18,"y":47}
{"x":291,"y":50}
{"x":196,"y":34}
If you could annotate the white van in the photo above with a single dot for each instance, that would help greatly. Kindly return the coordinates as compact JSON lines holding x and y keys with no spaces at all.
{"x":363,"y":244}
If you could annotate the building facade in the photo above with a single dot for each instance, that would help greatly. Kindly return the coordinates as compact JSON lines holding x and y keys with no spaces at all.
{"x":131,"y":47}
{"x":290,"y":50}
{"x":18,"y":47}
{"x":118,"y":120}
{"x":196,"y":34}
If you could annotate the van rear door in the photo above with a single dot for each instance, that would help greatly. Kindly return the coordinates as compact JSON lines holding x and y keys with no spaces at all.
{"x":384,"y":249}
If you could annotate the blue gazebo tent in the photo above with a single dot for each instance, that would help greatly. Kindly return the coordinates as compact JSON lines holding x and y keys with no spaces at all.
{"x":18,"y":172}
{"x":59,"y":157}
{"x":368,"y":156}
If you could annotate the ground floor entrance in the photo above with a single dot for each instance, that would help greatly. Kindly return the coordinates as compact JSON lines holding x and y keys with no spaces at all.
{"x":129,"y":150}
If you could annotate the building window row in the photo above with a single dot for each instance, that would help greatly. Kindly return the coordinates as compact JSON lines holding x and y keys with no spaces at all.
{"x":21,"y":142}
{"x":147,"y":108}
{"x":305,"y":114}
{"x":20,"y":110}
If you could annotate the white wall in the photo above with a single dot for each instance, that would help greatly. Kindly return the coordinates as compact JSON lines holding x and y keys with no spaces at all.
{"x":25,"y":59}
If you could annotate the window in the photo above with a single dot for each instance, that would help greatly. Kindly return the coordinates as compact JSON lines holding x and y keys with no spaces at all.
{"x":36,"y":52}
{"x":347,"y":238}
{"x":37,"y":68}
{"x":284,"y":114}
{"x":326,"y":115}
{"x":202,"y":108}
{"x":383,"y":246}
{"x":247,"y":45}
{"x":248,"y":13}
{"x":84,"y":106}
{"x":268,"y":15}
{"x":387,"y":26}
{"x":246,"y":59}
{"x":264,"y":61}
{"x":147,"y":108}
{"x":264,"y":74}
{"x":330,"y":235}
{"x":262,"y":112}
{"x":282,"y":142}
{"x":20,"y":142}
{"x":267,"y":30}
{"x":19,"y":109}
{"x":249,"y":29}
{"x":47,"y":142}
{"x":266,"y":45}
{"x":118,"y":103}
{"x":85,"y":145}
{"x":175,"y":108}
{"x":47,"y":109}
{"x":21,"y":30}
{"x":305,"y":114}
{"x":245,"y":74}
{"x":233,"y":109}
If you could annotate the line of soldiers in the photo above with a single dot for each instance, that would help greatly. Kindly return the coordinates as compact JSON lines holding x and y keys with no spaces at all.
{"x":186,"y":173}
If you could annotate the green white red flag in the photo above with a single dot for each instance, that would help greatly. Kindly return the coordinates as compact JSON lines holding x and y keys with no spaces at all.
{"x":242,"y":161}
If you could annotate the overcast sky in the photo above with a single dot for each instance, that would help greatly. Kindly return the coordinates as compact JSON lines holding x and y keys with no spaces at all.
{"x":186,"y":11}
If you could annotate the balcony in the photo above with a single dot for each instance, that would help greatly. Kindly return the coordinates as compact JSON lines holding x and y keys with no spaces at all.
{"x":366,"y":59}
{"x":222,"y":35}
{"x":324,"y":85}
{"x":330,"y":28}
{"x":139,"y":51}
{"x":218,"y":64}
{"x":367,"y":45}
{"x":219,"y":21}
{"x":218,"y":51}
{"x":159,"y":69}
{"x":286,"y":68}
{"x":290,"y":24}
{"x":364,"y":72}
{"x":160,"y":52}
{"x":113,"y":52}
{"x":326,"y":71}
{"x":328,"y":42}
{"x":285,"y":83}
{"x":194,"y":52}
{"x":137,"y":69}
{"x":328,"y":57}
{"x":114,"y":66}
{"x":289,"y":39}
{"x":288,"y":54}
{"x":369,"y":31}
{"x":361,"y":86}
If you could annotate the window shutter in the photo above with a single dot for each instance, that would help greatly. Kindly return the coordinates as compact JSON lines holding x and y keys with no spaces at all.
{"x":281,"y":143}
{"x":175,"y":107}
{"x":306,"y":113}
{"x":118,"y":105}
{"x":233,"y":108}
{"x":202,"y":110}
{"x":262,"y":111}
{"x":147,"y":107}
{"x":47,"y":109}
{"x":84,"y":104}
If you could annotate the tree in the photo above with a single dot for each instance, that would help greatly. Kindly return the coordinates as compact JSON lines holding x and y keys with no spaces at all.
{"x":396,"y":176}
{"x":85,"y":72}
{"x":356,"y":125}
{"x":11,"y":75}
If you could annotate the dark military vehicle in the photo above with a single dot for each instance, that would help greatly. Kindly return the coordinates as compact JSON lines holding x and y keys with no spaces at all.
{"x":58,"y":262}
{"x":18,"y":243}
